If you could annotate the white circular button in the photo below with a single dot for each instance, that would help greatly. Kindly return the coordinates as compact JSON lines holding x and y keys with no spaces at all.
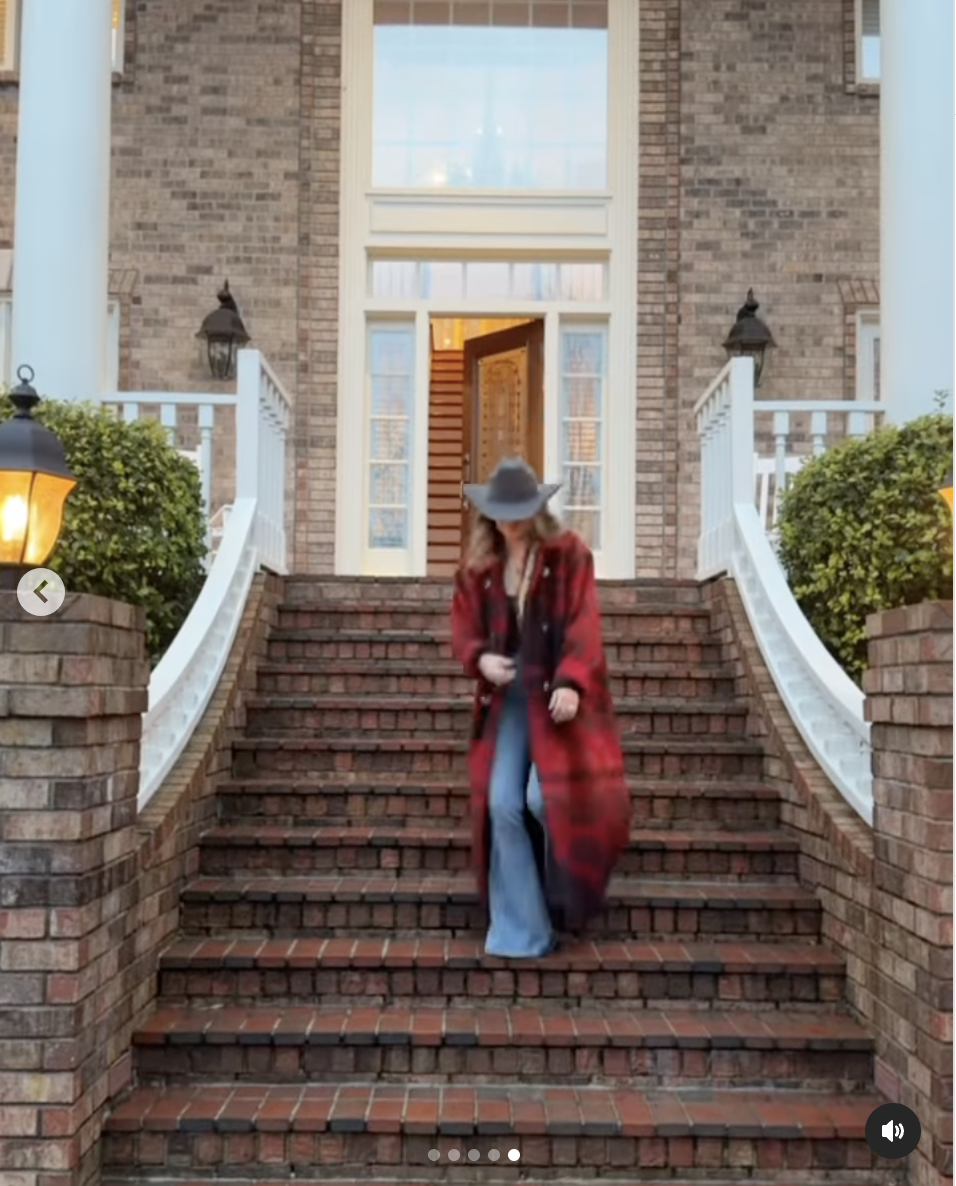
{"x":41,"y":592}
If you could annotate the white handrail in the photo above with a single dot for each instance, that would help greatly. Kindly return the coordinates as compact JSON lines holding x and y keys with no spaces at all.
{"x":186,"y":677}
{"x":253,"y":536}
{"x":824,"y":703}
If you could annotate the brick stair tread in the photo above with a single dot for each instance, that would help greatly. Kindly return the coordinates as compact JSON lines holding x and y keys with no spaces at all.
{"x":444,"y":743}
{"x":431,"y":637}
{"x":409,"y":702}
{"x":567,"y":1179}
{"x":670,"y":839}
{"x":726,"y":787}
{"x":651,"y":669}
{"x":717,"y":958}
{"x":495,"y":1111}
{"x":482,"y":1026}
{"x":748,"y":895}
{"x":442,"y":609}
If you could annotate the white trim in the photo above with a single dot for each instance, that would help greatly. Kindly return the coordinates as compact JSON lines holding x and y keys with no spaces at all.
{"x":418,"y":462}
{"x":618,"y":560}
{"x":6,"y":340}
{"x":488,"y":225}
{"x":354,"y":179}
{"x":867,"y":335}
{"x":119,"y":37}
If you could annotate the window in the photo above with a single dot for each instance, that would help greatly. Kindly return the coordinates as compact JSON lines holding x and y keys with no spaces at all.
{"x":868,"y":356}
{"x":583,"y":383}
{"x":391,"y":366}
{"x":508,"y":96}
{"x":10,"y":15}
{"x":868,"y":41}
{"x":8,"y":366}
{"x":452,"y":280}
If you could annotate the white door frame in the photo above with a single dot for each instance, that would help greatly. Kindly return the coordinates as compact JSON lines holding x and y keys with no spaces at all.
{"x":489,"y":224}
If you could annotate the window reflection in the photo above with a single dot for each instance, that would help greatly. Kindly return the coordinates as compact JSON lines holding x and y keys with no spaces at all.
{"x":490,"y":107}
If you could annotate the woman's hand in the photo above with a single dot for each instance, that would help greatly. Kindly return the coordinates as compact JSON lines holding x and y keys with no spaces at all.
{"x":497,"y":670}
{"x":564,"y":705}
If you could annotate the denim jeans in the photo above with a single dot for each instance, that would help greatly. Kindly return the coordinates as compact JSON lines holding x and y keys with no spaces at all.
{"x":520,"y":921}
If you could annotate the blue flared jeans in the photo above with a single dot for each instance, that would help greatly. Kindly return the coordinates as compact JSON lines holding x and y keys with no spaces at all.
{"x":520,"y":923}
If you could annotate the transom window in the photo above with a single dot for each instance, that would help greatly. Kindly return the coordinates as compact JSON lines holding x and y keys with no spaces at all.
{"x":10,"y":17}
{"x":450,"y":280}
{"x":507,"y":95}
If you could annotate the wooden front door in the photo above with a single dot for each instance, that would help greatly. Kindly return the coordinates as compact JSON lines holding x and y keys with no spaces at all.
{"x":503,"y":404}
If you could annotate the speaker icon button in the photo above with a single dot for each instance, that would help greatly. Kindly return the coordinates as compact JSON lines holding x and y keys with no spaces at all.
{"x":893,"y":1131}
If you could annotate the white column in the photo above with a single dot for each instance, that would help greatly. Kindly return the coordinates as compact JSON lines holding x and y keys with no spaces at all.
{"x":61,"y":229}
{"x":916,"y":204}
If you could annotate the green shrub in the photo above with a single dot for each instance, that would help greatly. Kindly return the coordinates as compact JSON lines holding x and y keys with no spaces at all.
{"x":133,"y":527}
{"x":863,"y":528}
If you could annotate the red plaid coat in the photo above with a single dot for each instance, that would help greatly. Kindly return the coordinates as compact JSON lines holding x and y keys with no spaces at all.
{"x":580,"y":764}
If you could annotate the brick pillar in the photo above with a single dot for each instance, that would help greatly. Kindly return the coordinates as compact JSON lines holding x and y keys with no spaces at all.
{"x":72,"y":690}
{"x":909,"y":690}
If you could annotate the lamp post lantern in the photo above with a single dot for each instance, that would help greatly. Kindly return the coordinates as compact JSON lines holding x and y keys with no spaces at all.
{"x":749,"y":336}
{"x":224,"y":333}
{"x":34,"y":484}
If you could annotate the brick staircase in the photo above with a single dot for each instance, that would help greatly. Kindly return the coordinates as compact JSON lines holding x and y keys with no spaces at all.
{"x":328,"y":1013}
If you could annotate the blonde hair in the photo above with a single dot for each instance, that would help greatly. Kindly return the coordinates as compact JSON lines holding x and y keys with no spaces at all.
{"x":486,"y":543}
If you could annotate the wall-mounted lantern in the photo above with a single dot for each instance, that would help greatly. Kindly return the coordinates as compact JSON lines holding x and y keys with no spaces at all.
{"x":34,"y":484}
{"x":749,"y":336}
{"x":224,"y":334}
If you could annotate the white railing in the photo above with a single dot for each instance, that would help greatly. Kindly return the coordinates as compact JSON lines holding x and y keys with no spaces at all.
{"x":824,"y":703}
{"x":248,"y":536}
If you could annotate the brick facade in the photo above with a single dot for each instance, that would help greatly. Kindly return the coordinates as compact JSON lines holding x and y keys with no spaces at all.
{"x":887,"y":910}
{"x":89,"y":889}
{"x":758,"y":165}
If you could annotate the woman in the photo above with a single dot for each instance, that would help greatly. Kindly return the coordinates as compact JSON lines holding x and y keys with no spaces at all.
{"x":550,"y":807}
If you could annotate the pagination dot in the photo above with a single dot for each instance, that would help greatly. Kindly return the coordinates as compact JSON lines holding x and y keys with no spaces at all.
{"x":453,"y":1155}
{"x":514,"y":1154}
{"x":433,"y":1154}
{"x":493,"y":1154}
{"x":474,"y":1154}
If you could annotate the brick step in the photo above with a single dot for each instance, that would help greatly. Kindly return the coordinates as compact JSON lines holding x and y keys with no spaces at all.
{"x":356,"y":677}
{"x":370,"y":1129}
{"x":649,"y":619}
{"x":644,"y":1049}
{"x":436,"y":802}
{"x":420,"y":647}
{"x":457,"y":972}
{"x":652,"y":851}
{"x":258,"y":757}
{"x":410,"y":594}
{"x":433,"y":716}
{"x":509,"y":1174}
{"x":404,"y":906}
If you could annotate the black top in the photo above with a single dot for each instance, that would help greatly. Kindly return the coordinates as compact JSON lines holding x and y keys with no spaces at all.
{"x":513,"y":640}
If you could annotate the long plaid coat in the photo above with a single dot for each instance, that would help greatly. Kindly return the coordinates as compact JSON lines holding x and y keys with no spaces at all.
{"x":580,"y":764}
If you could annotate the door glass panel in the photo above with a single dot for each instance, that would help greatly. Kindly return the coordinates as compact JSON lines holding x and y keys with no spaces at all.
{"x":502,"y":408}
{"x":507,"y":96}
{"x":391,"y":363}
{"x":583,"y":381}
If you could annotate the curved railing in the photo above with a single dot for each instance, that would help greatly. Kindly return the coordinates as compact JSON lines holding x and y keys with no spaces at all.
{"x":250,"y":537}
{"x":824,"y":703}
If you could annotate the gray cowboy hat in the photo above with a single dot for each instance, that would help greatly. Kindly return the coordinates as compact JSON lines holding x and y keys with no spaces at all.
{"x":512,"y":493}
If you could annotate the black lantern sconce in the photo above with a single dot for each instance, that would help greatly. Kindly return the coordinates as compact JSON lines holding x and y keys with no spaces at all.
{"x":34,"y":484}
{"x":749,"y":336}
{"x":224,"y":334}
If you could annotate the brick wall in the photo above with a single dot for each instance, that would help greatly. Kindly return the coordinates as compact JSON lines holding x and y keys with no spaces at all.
{"x":758,"y":165}
{"x":779,"y":190}
{"x":89,"y":890}
{"x":886,"y":891}
{"x":909,"y":703}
